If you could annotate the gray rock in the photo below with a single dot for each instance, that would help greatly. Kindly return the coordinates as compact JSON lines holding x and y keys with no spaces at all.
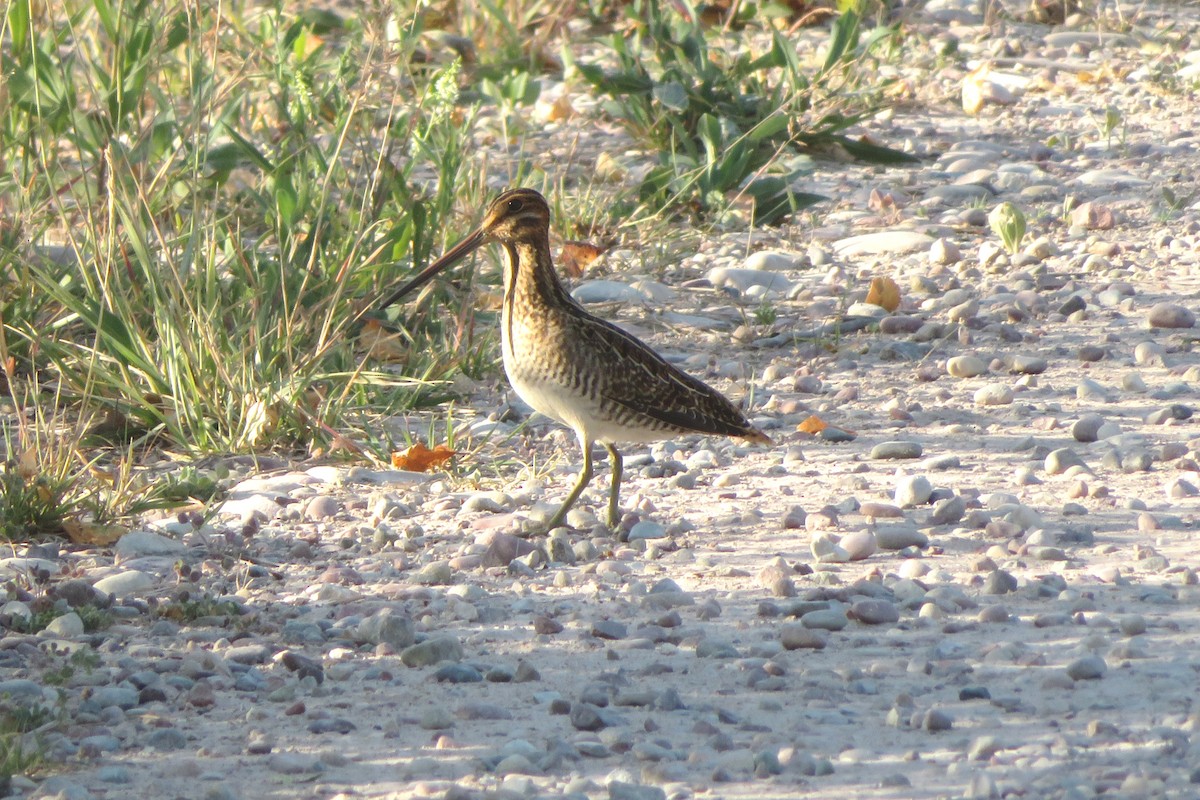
{"x":896,"y":450}
{"x":937,"y":720}
{"x":965,"y":366}
{"x":1087,"y":427}
{"x":457,"y":673}
{"x":67,"y":626}
{"x":387,"y":627}
{"x":796,"y":636}
{"x":899,"y":536}
{"x":586,"y":717}
{"x":999,"y":582}
{"x":294,"y":763}
{"x":874,"y":612}
{"x":609,"y":629}
{"x":646,"y":529}
{"x":247,"y":654}
{"x":1175,"y":411}
{"x":948,"y":511}
{"x":1087,"y":668}
{"x":1060,"y":460}
{"x":165,"y":739}
{"x":1089,"y":389}
{"x":432,"y":651}
{"x":828,"y":619}
{"x":994,"y":394}
{"x":912,"y":490}
{"x":124,"y":583}
{"x":1170,"y":315}
{"x":119,"y":696}
{"x":137,"y":544}
{"x":620,"y":790}
{"x":1027,"y":365}
{"x":435,"y":573}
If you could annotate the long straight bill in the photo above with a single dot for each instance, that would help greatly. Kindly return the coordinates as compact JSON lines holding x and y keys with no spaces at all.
{"x":448,"y":259}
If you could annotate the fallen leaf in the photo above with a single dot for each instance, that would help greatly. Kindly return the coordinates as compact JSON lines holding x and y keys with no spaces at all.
{"x":884,"y":292}
{"x":577,"y":257}
{"x":382,"y":344}
{"x":92,"y":533}
{"x":973,"y":89}
{"x":561,"y":110}
{"x":813,"y":425}
{"x":27,"y":463}
{"x":420,"y":458}
{"x":882,"y":201}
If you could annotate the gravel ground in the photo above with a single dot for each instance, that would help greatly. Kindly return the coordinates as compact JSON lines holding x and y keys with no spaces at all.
{"x":978,"y":582}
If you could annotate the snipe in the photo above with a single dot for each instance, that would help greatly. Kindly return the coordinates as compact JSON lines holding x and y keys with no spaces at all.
{"x":574,"y":367}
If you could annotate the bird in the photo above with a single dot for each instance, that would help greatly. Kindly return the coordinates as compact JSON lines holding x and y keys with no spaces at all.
{"x":574,"y":367}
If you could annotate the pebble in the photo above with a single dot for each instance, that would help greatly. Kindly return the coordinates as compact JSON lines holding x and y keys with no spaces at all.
{"x":912,"y":490}
{"x":874,"y":612}
{"x":139,"y":544}
{"x":1087,"y":428}
{"x":1170,"y":315}
{"x":432,"y":651}
{"x":899,"y":537}
{"x":828,"y":619}
{"x":125,"y":583}
{"x":798,"y":636}
{"x":1060,"y":460}
{"x":965,"y":366}
{"x":67,"y":626}
{"x":1027,"y":365}
{"x":646,"y":529}
{"x":859,"y":545}
{"x":994,"y":394}
{"x":620,"y":790}
{"x":1087,"y":668}
{"x":896,"y":450}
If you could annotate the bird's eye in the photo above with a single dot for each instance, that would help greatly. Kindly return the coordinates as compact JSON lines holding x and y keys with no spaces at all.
{"x":514,"y":206}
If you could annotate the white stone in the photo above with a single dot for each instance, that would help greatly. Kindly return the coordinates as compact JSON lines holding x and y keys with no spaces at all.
{"x":124,"y":583}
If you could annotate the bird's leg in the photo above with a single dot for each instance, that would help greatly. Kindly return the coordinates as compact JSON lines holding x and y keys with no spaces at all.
{"x":614,"y":516}
{"x":585,"y":475}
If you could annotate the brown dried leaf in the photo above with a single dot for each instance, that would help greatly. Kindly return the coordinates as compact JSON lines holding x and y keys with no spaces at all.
{"x":577,"y":257}
{"x":884,"y":292}
{"x":92,"y":533}
{"x":420,"y":458}
{"x":382,"y":344}
{"x":561,"y":110}
{"x":813,"y":425}
{"x":27,"y":463}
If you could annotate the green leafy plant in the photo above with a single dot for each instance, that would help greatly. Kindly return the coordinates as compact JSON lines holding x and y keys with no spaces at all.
{"x":721,"y":118}
{"x":219,"y":219}
{"x":1008,"y":222}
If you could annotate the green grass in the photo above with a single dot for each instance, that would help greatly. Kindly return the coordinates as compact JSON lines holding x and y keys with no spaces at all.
{"x":202,"y":203}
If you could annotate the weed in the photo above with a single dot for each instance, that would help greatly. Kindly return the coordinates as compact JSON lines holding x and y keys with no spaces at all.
{"x":21,"y":751}
{"x":765,"y":314}
{"x":720,"y":119}
{"x":85,"y":659}
{"x":190,"y":609}
{"x":1008,"y":222}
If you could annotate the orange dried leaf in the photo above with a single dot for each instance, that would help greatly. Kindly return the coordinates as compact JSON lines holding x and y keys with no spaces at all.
{"x":93,"y":533}
{"x":884,"y":292}
{"x":813,"y":425}
{"x":578,"y":256}
{"x":561,"y":110}
{"x":420,"y":458}
{"x":382,"y":344}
